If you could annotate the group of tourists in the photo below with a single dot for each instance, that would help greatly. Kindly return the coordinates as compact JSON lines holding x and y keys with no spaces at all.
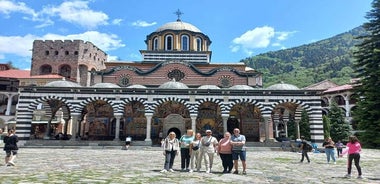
{"x":353,"y":148}
{"x":198,"y":148}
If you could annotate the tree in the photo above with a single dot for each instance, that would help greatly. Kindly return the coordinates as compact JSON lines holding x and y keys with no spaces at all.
{"x":339,"y":128}
{"x":326,"y":126}
{"x":367,"y":69}
{"x":304,"y":125}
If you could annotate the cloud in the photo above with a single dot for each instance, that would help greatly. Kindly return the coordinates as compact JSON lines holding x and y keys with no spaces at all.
{"x":141,"y":23}
{"x":22,"y":45}
{"x":117,"y":21}
{"x":259,"y":37}
{"x":8,"y":7}
{"x":78,"y":12}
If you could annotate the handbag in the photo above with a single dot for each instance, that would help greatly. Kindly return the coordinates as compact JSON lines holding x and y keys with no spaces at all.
{"x":196,"y":147}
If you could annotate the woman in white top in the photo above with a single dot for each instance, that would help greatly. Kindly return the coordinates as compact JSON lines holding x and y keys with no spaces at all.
{"x":195,"y":152}
{"x":208,"y":149}
{"x":171,"y":148}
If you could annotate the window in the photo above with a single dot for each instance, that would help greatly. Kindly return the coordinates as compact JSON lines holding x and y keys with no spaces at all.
{"x":169,"y":42}
{"x":45,"y":69}
{"x":155,"y":44}
{"x":199,"y":44}
{"x":76,"y":53}
{"x":66,"y":53}
{"x":65,"y":71}
{"x":47,"y":53}
{"x":56,"y":53}
{"x":184,"y":42}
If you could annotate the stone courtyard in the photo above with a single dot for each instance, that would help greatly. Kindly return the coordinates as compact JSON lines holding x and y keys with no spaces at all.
{"x":142,"y":164}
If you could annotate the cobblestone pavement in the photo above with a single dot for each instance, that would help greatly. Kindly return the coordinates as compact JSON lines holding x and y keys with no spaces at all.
{"x":143,"y":165}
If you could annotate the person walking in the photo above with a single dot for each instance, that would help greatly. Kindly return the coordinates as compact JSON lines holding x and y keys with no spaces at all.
{"x":304,"y":149}
{"x":208,"y":150}
{"x":225,"y":152}
{"x":184,"y":142}
{"x":171,"y":148}
{"x":329,"y":149}
{"x":339,"y":148}
{"x":128,"y":141}
{"x":195,"y":153}
{"x":238,"y":150}
{"x":353,"y":148}
{"x":10,"y":147}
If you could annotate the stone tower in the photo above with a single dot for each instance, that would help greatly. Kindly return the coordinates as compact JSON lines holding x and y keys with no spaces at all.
{"x":73,"y":59}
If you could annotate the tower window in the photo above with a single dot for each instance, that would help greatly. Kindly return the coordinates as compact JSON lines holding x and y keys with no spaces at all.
{"x":56,"y":53}
{"x":47,"y":53}
{"x":66,"y":53}
{"x":199,"y":44}
{"x":169,"y":42}
{"x":184,"y":42}
{"x":76,"y":53}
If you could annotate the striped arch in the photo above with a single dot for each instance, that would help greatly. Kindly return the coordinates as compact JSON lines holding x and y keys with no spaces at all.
{"x":121,"y":105}
{"x":44,"y":100}
{"x":83,"y":104}
{"x":161,"y":101}
{"x":245,"y":100}
{"x":298,"y":102}
{"x":217,"y":101}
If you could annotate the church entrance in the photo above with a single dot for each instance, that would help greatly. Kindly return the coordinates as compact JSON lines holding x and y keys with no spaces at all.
{"x":174,"y":123}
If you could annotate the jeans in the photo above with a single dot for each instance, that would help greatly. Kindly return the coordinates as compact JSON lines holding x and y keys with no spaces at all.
{"x":169,"y":159}
{"x":330,"y":153}
{"x":304,"y":154}
{"x":185,"y":158}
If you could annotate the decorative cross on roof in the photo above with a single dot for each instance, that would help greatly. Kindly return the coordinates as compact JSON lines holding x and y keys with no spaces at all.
{"x":178,"y":13}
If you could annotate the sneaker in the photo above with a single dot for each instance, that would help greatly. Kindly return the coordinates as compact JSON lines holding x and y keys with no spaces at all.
{"x":164,"y":171}
{"x":171,"y":170}
{"x":347,"y":176}
{"x":236,"y":172}
{"x":334,"y":163}
{"x":182,"y":169}
{"x":190,"y":171}
{"x":360,"y":177}
{"x":208,"y":171}
{"x":10,"y":163}
{"x":244,"y":172}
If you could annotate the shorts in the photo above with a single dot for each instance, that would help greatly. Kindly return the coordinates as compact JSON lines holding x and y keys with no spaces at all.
{"x":10,"y":152}
{"x":239,"y":153}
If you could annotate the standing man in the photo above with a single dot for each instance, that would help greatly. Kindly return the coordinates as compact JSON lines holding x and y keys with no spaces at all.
{"x":238,"y":150}
{"x":304,"y":149}
{"x":209,"y":144}
{"x":10,"y":147}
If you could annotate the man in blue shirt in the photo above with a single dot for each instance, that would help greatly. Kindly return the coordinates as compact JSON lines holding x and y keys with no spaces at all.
{"x":238,"y":150}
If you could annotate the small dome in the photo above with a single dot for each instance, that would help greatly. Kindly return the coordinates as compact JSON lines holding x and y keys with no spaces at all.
{"x":62,"y":83}
{"x":241,"y":87}
{"x":105,"y":85}
{"x":178,"y":25}
{"x":208,"y":87}
{"x":173,"y":85}
{"x":283,"y":86}
{"x":136,"y":86}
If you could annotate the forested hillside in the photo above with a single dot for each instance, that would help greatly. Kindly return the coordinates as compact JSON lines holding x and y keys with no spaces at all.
{"x":311,"y":63}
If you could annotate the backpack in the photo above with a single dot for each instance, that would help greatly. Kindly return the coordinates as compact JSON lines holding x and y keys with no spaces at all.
{"x":309,"y":148}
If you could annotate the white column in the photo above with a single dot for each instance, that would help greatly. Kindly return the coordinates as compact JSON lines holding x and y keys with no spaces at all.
{"x":74,"y":128}
{"x":9,"y":104}
{"x":193,"y":122}
{"x":225,"y":119}
{"x":266,"y":124}
{"x":148,"y":126}
{"x":347,"y":105}
{"x":117,"y":127}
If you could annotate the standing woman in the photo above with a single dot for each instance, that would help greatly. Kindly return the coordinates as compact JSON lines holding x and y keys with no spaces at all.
{"x":171,"y":147}
{"x":225,"y":152}
{"x":10,"y":147}
{"x":195,"y":153}
{"x":329,"y":149}
{"x":185,"y":141}
{"x":353,"y":148}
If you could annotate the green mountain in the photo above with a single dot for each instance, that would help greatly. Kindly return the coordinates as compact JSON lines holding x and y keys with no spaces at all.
{"x":304,"y":65}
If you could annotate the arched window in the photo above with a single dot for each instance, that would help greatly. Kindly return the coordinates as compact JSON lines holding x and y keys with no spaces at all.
{"x":45,"y":69}
{"x":184,"y":42}
{"x":65,"y":71}
{"x":155,"y":44}
{"x":168,"y":42}
{"x":199,"y":44}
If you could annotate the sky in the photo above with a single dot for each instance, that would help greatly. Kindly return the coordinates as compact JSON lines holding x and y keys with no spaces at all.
{"x":238,"y":29}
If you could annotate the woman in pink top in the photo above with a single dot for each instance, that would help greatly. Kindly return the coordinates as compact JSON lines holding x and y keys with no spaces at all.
{"x":225,"y":152}
{"x":353,"y":148}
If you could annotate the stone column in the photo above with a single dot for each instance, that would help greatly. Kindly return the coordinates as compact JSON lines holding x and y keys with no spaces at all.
{"x":117,"y":127}
{"x":148,"y":126}
{"x":267,"y":118}
{"x":9,"y":104}
{"x":194,"y":122}
{"x":75,"y":124}
{"x":225,"y":119}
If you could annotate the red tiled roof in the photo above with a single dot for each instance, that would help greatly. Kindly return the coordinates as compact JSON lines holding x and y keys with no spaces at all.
{"x":339,"y":88}
{"x":25,"y":74}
